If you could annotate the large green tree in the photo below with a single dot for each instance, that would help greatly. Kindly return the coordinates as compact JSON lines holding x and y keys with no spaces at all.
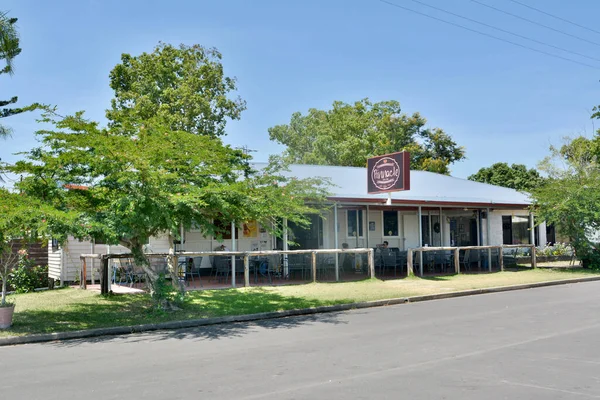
{"x":515,"y":176}
{"x":570,"y":198}
{"x":185,"y":86}
{"x":145,"y":173}
{"x":348,"y":134}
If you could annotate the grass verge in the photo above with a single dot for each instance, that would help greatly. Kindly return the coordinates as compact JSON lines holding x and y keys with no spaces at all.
{"x":73,"y":309}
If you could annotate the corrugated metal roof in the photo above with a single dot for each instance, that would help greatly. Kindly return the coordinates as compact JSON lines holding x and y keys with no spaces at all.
{"x":351,"y":183}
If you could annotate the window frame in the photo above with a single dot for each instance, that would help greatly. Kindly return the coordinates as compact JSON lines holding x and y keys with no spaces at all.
{"x":383,"y":233}
{"x":361,"y":219}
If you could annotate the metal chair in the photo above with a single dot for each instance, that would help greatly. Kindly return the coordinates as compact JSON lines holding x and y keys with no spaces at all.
{"x":389,"y":260}
{"x":401,"y":260}
{"x":466,"y":260}
{"x":298,"y":263}
{"x":222,"y":268}
{"x":193,"y":269}
{"x":442,"y":258}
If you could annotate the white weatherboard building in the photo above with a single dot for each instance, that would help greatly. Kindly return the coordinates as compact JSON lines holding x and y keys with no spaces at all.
{"x":438,"y":210}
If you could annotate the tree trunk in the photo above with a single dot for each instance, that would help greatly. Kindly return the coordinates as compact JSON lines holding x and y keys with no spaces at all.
{"x":137,"y":249}
{"x":173,"y":270}
{"x":3,"y":291}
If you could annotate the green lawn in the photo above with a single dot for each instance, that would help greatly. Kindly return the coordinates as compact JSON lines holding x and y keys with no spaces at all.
{"x":74,"y":309}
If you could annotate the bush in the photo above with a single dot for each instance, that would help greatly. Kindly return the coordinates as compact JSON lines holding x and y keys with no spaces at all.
{"x":26,"y":277}
{"x":165,"y":295}
{"x":558,"y":249}
{"x":40,"y":276}
{"x":21,"y":279}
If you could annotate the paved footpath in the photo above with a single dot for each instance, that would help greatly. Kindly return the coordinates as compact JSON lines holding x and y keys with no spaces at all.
{"x":532,"y":344}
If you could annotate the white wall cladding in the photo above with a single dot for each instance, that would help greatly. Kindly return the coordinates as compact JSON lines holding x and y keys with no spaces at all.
{"x":65,"y":264}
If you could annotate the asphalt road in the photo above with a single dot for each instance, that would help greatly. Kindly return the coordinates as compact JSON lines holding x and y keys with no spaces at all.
{"x":531,"y":344}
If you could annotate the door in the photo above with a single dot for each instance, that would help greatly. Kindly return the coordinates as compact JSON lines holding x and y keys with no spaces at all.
{"x":310,"y":237}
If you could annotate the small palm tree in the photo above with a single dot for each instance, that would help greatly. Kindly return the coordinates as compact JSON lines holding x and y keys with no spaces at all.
{"x":9,"y":49}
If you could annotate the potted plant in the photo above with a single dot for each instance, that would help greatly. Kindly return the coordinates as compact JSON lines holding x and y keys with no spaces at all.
{"x":9,"y":258}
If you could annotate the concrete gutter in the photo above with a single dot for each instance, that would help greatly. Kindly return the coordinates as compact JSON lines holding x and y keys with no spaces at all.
{"x":172,"y":325}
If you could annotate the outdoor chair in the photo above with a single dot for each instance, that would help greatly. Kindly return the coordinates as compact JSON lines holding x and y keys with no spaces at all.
{"x":466,"y":260}
{"x":401,"y":260}
{"x":390,"y":261}
{"x":346,"y":263}
{"x":263,"y":270}
{"x":325,"y":267}
{"x":222,"y":268}
{"x":299,"y":264}
{"x":442,"y":258}
{"x":193,"y":269}
{"x":429,"y":261}
{"x":378,"y":259}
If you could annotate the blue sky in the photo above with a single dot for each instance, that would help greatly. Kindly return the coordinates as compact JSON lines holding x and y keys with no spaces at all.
{"x":501,"y":102}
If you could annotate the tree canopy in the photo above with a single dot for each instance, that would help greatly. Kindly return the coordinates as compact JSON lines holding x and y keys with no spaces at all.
{"x":515,"y":176}
{"x":571,"y":196}
{"x":348,"y":134}
{"x":26,"y":218}
{"x":185,"y":86}
{"x":140,"y":176}
{"x":9,"y":49}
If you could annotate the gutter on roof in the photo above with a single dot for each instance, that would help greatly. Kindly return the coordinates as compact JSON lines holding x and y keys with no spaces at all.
{"x":417,"y":203}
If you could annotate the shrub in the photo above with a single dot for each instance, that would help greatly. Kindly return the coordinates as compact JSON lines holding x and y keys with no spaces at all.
{"x":21,"y":279}
{"x":26,"y":277}
{"x":165,"y":295}
{"x":40,"y":276}
{"x":558,"y":249}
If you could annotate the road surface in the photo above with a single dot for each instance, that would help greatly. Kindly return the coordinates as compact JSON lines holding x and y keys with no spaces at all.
{"x":531,"y":344}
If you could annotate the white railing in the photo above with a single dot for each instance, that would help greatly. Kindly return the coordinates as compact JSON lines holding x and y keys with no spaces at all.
{"x":246,"y":261}
{"x":456,"y":250}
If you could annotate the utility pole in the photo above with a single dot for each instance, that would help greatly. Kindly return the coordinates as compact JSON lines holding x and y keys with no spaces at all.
{"x":246,"y":150}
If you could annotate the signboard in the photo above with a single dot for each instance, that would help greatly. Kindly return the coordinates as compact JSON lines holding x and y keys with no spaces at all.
{"x":388,"y":173}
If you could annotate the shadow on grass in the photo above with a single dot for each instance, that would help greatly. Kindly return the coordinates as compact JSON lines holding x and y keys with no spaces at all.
{"x":124,"y":310}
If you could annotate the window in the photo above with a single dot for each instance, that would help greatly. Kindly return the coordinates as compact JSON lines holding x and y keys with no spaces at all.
{"x":390,"y":223}
{"x":425,"y":238}
{"x":352,"y":216}
{"x":506,"y":229}
{"x":520,"y":228}
{"x":54,"y":244}
{"x":515,"y":229}
{"x":223,"y":230}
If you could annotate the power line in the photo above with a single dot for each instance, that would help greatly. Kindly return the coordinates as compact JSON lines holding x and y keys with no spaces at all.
{"x":505,"y":31}
{"x":536,"y":23}
{"x":555,"y":16}
{"x":488,"y":35}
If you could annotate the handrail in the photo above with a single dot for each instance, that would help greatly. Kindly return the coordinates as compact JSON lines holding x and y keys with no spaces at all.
{"x":245,"y":254}
{"x":457,"y":249}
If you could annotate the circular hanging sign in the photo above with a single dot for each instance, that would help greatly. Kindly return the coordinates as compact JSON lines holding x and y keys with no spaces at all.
{"x":385,"y":173}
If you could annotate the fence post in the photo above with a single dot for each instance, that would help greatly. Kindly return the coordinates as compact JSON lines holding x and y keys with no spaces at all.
{"x":501,"y":258}
{"x":232,"y":271}
{"x":246,"y":270}
{"x":409,"y":263}
{"x":421,"y":263}
{"x":490,"y":259}
{"x":314,"y":266}
{"x":83,"y":277}
{"x":533,"y":257}
{"x":104,"y":278}
{"x":457,"y":260}
{"x":371,"y":263}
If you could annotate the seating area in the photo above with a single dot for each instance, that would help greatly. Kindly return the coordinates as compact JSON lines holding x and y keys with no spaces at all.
{"x":389,"y":263}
